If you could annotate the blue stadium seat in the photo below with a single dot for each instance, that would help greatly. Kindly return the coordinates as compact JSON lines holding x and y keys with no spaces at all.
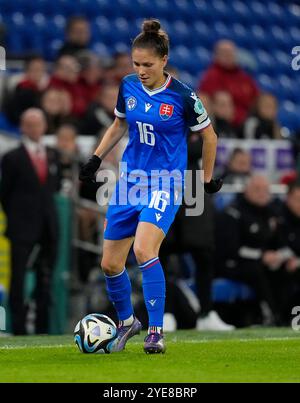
{"x":277,"y":14}
{"x":120,"y":47}
{"x":183,"y":9}
{"x":280,"y":37}
{"x":122,"y":30}
{"x":240,"y":11}
{"x":241,"y":36}
{"x":181,"y":34}
{"x":260,"y":37}
{"x":260,"y":14}
{"x":101,"y":49}
{"x":202,"y":34}
{"x":181,"y":57}
{"x":221,"y":11}
{"x":221,"y":31}
{"x":6,"y":126}
{"x":266,"y":64}
{"x":268,"y":84}
{"x":101,"y":30}
{"x":50,"y":51}
{"x":229,"y":291}
{"x":293,"y":13}
{"x":294,"y":32}
{"x":288,"y":116}
{"x":283,"y":61}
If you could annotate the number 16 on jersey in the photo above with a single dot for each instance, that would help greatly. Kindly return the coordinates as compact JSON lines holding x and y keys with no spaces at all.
{"x":146,"y":133}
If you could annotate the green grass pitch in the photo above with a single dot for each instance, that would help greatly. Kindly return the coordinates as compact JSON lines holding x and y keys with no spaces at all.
{"x":246,"y":355}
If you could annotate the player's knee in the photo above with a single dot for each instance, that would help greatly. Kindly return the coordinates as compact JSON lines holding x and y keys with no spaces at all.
{"x":110,"y":267}
{"x":142,"y":254}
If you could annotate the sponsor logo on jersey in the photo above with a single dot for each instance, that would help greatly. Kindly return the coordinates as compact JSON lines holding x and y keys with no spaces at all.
{"x":158,"y":216}
{"x":147,"y":106}
{"x":131,"y":103}
{"x":166,"y":111}
{"x":152,"y":301}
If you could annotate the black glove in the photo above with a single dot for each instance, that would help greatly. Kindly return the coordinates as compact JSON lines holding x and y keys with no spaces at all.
{"x":213,"y":186}
{"x":88,"y":170}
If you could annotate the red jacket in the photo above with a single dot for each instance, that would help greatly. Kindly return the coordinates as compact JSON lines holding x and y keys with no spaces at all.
{"x":79,"y":104}
{"x":239,"y":84}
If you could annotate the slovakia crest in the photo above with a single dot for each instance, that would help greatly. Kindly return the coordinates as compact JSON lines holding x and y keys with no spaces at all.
{"x":166,"y":111}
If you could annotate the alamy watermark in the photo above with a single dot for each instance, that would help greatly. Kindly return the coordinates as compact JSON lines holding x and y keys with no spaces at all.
{"x":157,"y":189}
{"x":2,"y":318}
{"x":296,"y":59}
{"x":296,"y":320}
{"x":2,"y":58}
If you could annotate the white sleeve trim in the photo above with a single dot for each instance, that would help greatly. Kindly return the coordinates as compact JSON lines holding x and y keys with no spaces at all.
{"x":119,"y":114}
{"x":202,"y":125}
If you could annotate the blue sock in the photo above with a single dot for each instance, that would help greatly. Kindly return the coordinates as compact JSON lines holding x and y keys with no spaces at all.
{"x":119,"y":292}
{"x":154,"y":289}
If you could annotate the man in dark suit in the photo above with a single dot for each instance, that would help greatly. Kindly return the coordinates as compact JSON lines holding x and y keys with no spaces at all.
{"x":29,"y":180}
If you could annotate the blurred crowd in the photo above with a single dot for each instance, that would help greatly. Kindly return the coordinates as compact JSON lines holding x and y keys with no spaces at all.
{"x":80,"y":89}
{"x":252,"y":240}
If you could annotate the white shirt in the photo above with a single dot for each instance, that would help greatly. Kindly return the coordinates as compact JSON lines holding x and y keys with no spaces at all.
{"x":34,"y":147}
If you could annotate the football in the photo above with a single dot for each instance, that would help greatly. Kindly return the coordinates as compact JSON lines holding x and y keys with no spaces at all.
{"x":95,"y":333}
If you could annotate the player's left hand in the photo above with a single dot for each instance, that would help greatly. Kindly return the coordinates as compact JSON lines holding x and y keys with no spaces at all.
{"x":213,"y":186}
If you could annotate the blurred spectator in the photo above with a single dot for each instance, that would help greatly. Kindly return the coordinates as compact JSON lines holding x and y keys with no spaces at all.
{"x":100,"y":113}
{"x":263,"y":122}
{"x":249,"y":244}
{"x":222,"y":112}
{"x":238,"y":167}
{"x":173,"y":71}
{"x":121,"y":66}
{"x":194,"y":235}
{"x":226,"y":75}
{"x":288,"y":282}
{"x":68,"y":157}
{"x":91,"y":76}
{"x":2,"y":34}
{"x":66,"y":77}
{"x":28,"y":91}
{"x":56,"y":104}
{"x":29,"y":181}
{"x":78,"y":36}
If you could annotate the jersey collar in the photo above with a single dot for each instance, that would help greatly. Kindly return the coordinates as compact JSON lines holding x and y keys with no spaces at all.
{"x":159,"y":89}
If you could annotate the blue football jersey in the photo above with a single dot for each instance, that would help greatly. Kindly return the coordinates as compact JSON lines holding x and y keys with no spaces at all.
{"x":158,"y":122}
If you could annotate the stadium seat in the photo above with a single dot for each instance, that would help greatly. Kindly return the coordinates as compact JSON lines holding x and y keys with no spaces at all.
{"x":288,"y":116}
{"x":6,"y":126}
{"x":260,"y":13}
{"x":229,"y":291}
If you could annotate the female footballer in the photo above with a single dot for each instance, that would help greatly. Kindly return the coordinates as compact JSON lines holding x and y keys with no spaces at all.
{"x":158,"y":111}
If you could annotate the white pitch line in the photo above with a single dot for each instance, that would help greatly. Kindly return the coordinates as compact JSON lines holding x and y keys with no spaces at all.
{"x":31,"y":346}
{"x":191,"y":341}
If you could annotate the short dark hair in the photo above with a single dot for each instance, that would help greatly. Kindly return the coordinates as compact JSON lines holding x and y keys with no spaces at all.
{"x":32,"y":58}
{"x":152,"y":37}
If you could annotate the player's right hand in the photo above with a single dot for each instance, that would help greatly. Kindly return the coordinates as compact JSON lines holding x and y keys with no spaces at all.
{"x":88,"y":170}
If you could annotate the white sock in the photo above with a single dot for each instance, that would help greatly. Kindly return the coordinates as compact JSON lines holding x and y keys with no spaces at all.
{"x":126,"y":322}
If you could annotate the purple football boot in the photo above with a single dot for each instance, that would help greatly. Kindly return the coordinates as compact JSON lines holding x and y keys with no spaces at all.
{"x":124,"y":333}
{"x":154,"y":343}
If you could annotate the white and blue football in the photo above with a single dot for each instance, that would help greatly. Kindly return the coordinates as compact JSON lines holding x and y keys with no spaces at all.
{"x":95,"y":333}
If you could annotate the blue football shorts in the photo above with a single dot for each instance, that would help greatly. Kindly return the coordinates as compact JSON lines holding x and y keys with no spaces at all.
{"x":130,"y":205}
